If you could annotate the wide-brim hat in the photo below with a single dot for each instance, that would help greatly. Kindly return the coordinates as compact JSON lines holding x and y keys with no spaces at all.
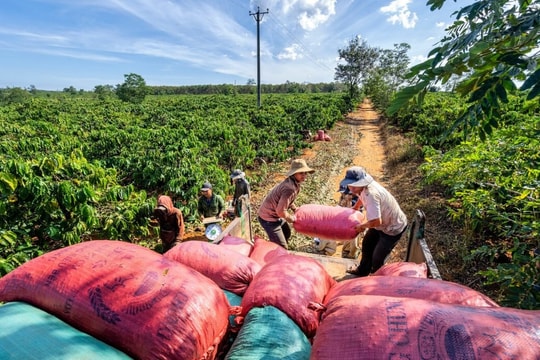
{"x":344,"y":185}
{"x":352,"y":175}
{"x":298,"y":166}
{"x":363,"y":182}
{"x":237,"y":174}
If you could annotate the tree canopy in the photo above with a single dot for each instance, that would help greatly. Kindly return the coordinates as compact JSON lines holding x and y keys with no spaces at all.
{"x":133,"y":89}
{"x":492,"y":49}
{"x":379,"y":72}
{"x":358,"y":59}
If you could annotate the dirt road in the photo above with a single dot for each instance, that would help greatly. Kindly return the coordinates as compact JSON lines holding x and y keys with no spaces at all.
{"x":355,"y":141}
{"x":361,"y":139}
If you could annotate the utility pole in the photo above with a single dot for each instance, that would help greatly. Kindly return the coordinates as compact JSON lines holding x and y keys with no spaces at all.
{"x":258,"y":16}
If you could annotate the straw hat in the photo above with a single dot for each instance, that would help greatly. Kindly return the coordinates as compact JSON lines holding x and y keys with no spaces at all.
{"x":299,"y":165}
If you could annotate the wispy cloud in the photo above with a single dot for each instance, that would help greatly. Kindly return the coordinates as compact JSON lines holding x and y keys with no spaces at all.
{"x":190,"y":21}
{"x":22,"y":35}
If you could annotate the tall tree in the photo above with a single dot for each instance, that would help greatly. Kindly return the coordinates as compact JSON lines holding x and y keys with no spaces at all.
{"x":133,"y":90}
{"x":358,"y":61}
{"x":393,"y":65}
{"x":493,"y":46}
{"x":388,"y":75}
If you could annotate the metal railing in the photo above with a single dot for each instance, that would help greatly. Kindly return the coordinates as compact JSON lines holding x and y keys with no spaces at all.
{"x":417,"y":248}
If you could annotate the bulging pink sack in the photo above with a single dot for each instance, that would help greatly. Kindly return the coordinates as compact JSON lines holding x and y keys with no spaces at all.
{"x":398,"y":286}
{"x":377,"y":327}
{"x":404,"y":269}
{"x":237,"y":244}
{"x":229,"y":269}
{"x":327,"y":222}
{"x":127,"y":296}
{"x":294,"y":284}
{"x":265,"y":251}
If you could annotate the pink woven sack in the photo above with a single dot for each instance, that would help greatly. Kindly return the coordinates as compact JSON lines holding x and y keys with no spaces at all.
{"x":294,"y":284}
{"x":229,"y":269}
{"x":237,"y":244}
{"x":327,"y":222}
{"x":265,"y":251}
{"x":417,"y":288}
{"x":127,"y":296}
{"x":371,"y":327}
{"x":403,"y":268}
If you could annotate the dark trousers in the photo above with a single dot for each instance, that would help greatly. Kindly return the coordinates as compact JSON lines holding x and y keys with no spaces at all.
{"x":376,"y":246}
{"x":278,"y":232}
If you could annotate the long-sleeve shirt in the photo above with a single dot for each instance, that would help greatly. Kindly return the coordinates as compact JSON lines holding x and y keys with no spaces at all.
{"x":212,"y":206}
{"x":279,"y":200}
{"x":171,"y":220}
{"x":241,"y":188}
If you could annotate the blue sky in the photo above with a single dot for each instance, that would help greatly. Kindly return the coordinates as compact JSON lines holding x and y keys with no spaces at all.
{"x":54,"y":44}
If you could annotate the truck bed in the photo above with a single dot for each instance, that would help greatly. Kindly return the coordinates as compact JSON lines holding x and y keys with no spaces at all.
{"x":335,"y":266}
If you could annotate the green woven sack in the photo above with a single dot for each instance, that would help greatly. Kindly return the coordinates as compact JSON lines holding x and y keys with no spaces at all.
{"x":268,"y":333}
{"x":234,"y":300}
{"x":27,"y":332}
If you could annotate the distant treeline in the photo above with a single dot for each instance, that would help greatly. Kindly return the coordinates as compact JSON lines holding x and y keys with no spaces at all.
{"x":228,"y":89}
{"x":16,"y":94}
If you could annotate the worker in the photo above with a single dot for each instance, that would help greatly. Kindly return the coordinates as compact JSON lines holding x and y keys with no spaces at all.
{"x":350,"y":249}
{"x":273,"y":214}
{"x":347,"y":198}
{"x":171,"y":222}
{"x":241,"y":188}
{"x":385,"y":222}
{"x":210,"y":204}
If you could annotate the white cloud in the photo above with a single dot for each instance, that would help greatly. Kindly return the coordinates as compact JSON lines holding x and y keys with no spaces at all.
{"x":292,"y":52}
{"x":308,"y":14}
{"x":398,"y":11}
{"x":310,"y":18}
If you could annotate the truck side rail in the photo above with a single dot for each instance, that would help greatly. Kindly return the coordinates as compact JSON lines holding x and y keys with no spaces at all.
{"x":417,"y":248}
{"x":240,"y":227}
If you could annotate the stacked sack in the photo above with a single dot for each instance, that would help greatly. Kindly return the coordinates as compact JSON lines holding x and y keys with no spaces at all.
{"x":127,"y":296}
{"x":280,"y":310}
{"x":406,"y":316}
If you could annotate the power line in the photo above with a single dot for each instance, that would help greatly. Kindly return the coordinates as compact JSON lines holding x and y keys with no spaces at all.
{"x":287,"y":35}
